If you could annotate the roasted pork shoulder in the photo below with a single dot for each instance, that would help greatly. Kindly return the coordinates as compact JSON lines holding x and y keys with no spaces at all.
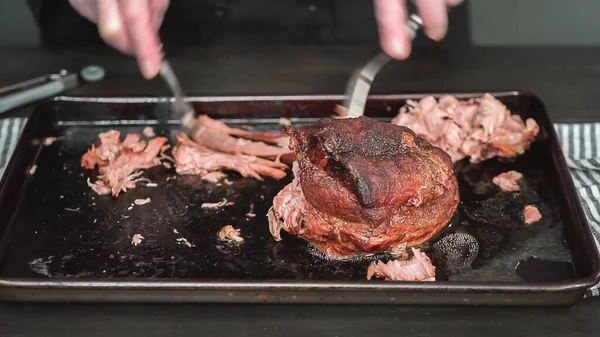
{"x":362,"y":186}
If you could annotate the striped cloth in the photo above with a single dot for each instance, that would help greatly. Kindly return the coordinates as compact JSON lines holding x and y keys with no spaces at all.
{"x":580,"y":143}
{"x":10,"y":129}
{"x":581,"y":146}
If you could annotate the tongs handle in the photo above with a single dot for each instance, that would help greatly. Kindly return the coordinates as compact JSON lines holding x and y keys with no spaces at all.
{"x":362,"y":79}
{"x":35,"y":89}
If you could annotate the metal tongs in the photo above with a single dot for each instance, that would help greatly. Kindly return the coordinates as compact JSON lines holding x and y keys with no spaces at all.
{"x":361,"y":80}
{"x":35,"y":89}
{"x":181,"y":108}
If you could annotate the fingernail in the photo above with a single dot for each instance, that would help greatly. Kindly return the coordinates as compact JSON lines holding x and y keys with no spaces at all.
{"x":149,"y":69}
{"x":436,"y":34}
{"x":398,"y":49}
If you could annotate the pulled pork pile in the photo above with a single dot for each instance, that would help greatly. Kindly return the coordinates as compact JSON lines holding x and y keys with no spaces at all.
{"x":362,"y":186}
{"x":214,"y":146}
{"x":480,"y":128}
{"x":120,"y":163}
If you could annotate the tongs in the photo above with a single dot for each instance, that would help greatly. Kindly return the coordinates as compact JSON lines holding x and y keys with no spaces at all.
{"x":362,"y":78}
{"x":35,"y":89}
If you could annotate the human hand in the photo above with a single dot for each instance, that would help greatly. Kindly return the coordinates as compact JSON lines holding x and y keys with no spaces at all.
{"x":130,"y":26}
{"x":392,"y":17}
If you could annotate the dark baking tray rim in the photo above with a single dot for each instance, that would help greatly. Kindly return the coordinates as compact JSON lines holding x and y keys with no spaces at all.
{"x":257,"y":291}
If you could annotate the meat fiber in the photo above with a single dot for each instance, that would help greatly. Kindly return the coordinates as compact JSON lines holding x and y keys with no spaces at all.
{"x":217,"y":136}
{"x":193,"y":158}
{"x":363,"y":186}
{"x":214,"y":146}
{"x":418,"y":268}
{"x":228,"y":233}
{"x":507,"y":181}
{"x":216,"y":205}
{"x":119,"y":163}
{"x":478,"y":128}
{"x":218,"y":126}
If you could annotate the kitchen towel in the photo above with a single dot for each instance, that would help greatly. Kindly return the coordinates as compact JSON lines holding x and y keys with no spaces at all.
{"x":10,"y":130}
{"x":581,"y":146}
{"x":580,"y":143}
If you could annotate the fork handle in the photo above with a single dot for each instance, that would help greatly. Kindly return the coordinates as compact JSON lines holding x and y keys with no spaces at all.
{"x":361,"y":80}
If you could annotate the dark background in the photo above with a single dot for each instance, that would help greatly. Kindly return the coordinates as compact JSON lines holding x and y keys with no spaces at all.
{"x":245,"y":22}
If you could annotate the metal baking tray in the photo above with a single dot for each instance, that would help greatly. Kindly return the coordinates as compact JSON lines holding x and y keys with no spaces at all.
{"x":62,"y":242}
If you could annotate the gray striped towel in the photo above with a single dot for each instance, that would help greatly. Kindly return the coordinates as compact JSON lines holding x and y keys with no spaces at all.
{"x":580,"y":143}
{"x":581,"y":146}
{"x":10,"y":129}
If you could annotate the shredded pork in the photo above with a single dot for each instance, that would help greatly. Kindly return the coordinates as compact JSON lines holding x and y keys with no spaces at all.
{"x":136,"y":239}
{"x":418,"y":268}
{"x":478,"y":128}
{"x":531,"y":214}
{"x":508,"y":181}
{"x":214,"y":176}
{"x":148,"y":131}
{"x":228,"y":233}
{"x":213,"y":147}
{"x":120,"y":162}
{"x":217,"y":127}
{"x":193,"y":158}
{"x":140,"y":202}
{"x":216,"y":205}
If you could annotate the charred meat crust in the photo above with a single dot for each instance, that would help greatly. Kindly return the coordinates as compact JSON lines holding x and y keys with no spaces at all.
{"x":360,"y":154}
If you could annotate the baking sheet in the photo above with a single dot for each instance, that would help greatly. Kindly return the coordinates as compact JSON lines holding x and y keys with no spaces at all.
{"x":61,"y":230}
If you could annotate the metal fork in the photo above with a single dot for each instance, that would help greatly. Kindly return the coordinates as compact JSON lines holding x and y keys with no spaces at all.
{"x":181,"y":108}
{"x":360,"y":83}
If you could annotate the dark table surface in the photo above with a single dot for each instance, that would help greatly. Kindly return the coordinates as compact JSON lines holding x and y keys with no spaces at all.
{"x":568,"y":80}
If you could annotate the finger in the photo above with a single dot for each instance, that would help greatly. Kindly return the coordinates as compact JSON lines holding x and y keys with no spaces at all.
{"x":392,"y":24}
{"x":158,"y":8}
{"x":87,"y":9}
{"x":143,"y":37}
{"x":111,"y":27}
{"x":453,"y":3}
{"x":435,"y":17}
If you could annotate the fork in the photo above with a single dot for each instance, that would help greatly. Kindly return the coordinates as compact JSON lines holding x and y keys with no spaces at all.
{"x":359,"y":85}
{"x":181,"y":108}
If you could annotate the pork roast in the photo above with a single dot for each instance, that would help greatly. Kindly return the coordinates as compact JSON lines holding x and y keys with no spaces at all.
{"x":363,"y":186}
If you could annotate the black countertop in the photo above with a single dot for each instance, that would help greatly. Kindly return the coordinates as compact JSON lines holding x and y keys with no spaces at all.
{"x":568,"y":80}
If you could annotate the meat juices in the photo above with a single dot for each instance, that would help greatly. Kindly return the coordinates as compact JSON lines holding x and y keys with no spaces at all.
{"x":119,"y":163}
{"x":363,"y":186}
{"x":478,"y":128}
{"x":507,"y":181}
{"x":531,"y":214}
{"x":418,"y":268}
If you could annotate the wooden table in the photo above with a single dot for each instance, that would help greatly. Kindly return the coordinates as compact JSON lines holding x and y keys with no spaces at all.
{"x":568,"y":80}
